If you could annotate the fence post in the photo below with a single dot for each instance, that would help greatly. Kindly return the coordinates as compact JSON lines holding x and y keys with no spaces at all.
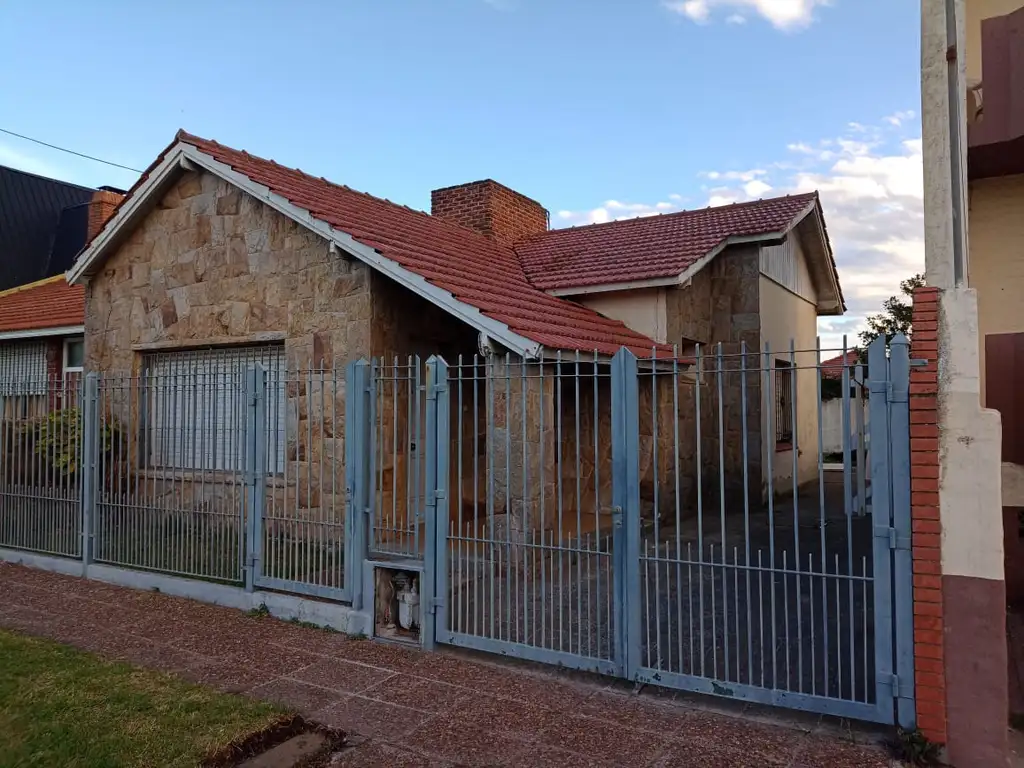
{"x":903,"y":577}
{"x":89,"y":450}
{"x":435,"y":549}
{"x":886,"y":683}
{"x":357,"y":474}
{"x":255,"y":471}
{"x":626,"y":502}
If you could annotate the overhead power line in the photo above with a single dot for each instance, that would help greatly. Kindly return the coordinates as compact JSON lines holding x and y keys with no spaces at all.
{"x":69,"y":151}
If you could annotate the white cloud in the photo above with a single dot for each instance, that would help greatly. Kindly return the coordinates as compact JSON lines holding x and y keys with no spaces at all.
{"x":782,"y":14}
{"x":756,"y":188}
{"x":871,"y":188}
{"x":899,"y":118}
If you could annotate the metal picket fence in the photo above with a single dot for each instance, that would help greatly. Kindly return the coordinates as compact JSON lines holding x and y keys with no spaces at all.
{"x":674,"y":521}
{"x":667,"y":519}
{"x":40,"y":445}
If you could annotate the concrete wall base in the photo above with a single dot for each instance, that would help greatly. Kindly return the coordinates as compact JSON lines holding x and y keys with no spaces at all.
{"x":280,"y":606}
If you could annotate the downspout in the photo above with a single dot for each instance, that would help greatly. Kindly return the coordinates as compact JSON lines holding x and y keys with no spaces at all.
{"x":955,"y":144}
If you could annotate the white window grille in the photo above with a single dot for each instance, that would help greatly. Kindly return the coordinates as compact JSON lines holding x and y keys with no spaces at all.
{"x":197,"y":411}
{"x":22,"y":368}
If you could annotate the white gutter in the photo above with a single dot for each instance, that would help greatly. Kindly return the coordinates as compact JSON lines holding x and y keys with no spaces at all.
{"x":33,"y":333}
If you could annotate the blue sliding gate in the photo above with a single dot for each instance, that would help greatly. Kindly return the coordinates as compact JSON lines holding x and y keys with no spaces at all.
{"x":736,"y":523}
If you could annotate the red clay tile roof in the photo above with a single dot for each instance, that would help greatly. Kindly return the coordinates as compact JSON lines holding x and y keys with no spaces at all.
{"x":49,"y":303}
{"x":476,"y":270}
{"x":833,"y":368}
{"x":648,"y":248}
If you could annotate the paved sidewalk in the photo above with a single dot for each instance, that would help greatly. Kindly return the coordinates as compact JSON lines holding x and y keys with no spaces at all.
{"x":408,"y":708}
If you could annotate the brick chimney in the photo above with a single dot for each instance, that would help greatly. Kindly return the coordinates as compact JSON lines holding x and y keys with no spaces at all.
{"x":101,"y":207}
{"x":491,"y":209}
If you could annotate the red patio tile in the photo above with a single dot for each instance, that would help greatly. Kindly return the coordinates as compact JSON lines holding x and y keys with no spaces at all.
{"x":366,"y":717}
{"x":604,"y":741}
{"x":469,"y":743}
{"x":374,"y":754}
{"x":822,"y":752}
{"x":305,"y":698}
{"x":711,"y":756}
{"x":342,"y":676}
{"x":769,"y":743}
{"x":635,"y":711}
{"x":412,"y":692}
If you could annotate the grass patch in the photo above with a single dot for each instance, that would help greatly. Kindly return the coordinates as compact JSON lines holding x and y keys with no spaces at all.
{"x":63,"y":707}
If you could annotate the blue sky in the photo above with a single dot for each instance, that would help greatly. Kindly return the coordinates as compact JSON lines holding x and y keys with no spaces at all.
{"x":599,"y":108}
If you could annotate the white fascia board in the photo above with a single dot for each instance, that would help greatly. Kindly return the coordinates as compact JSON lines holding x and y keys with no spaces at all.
{"x":183,"y":153}
{"x":126,"y":213}
{"x":634,"y":285}
{"x":35,"y":333}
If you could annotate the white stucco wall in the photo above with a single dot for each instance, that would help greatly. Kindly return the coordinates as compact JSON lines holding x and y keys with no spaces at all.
{"x":785,"y":316}
{"x":969,"y":442}
{"x":997,"y":257}
{"x":643,"y":310}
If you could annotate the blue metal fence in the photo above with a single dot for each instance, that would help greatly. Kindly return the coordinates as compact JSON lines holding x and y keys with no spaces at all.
{"x":649,"y":518}
{"x":672,"y":521}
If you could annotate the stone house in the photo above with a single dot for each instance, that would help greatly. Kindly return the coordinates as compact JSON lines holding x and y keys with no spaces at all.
{"x":218,"y":256}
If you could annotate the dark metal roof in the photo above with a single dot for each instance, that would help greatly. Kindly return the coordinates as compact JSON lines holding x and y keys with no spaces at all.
{"x":43,"y":225}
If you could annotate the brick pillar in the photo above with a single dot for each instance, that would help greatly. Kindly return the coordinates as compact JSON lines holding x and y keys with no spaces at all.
{"x":929,"y":669}
{"x":54,"y":368}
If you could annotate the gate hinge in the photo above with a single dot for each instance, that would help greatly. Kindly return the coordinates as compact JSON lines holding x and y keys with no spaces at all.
{"x":896,"y":542}
{"x":439,"y":493}
{"x":434,"y":604}
{"x":895,"y":680}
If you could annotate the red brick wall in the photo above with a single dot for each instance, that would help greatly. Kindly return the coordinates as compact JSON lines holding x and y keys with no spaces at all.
{"x":101,"y":207}
{"x":924,"y":459}
{"x":491,"y":209}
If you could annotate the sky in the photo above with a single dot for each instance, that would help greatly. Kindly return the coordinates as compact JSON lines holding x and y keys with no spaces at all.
{"x":599,"y":109}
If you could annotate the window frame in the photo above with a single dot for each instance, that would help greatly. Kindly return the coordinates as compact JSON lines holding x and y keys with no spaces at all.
{"x":784,"y":373}
{"x":271,"y":355}
{"x":65,"y":367}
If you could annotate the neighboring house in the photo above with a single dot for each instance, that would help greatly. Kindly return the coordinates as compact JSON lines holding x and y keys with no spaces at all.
{"x":41,"y":345}
{"x":44,"y":223}
{"x":218,"y":257}
{"x":995,"y":172}
{"x":832,"y":403}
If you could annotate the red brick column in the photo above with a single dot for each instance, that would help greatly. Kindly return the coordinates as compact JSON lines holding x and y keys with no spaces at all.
{"x":929,"y":670}
{"x":54,"y":368}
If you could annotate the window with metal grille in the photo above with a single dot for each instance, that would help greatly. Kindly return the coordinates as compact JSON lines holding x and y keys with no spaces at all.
{"x":23,"y":368}
{"x":784,"y":373}
{"x":196,"y":409}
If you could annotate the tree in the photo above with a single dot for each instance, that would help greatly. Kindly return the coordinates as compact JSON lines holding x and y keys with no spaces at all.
{"x":896,"y":315}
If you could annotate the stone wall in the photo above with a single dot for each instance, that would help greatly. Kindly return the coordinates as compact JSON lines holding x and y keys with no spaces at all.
{"x":213,"y":266}
{"x":210,"y":266}
{"x":406,"y":331}
{"x":720,"y":304}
